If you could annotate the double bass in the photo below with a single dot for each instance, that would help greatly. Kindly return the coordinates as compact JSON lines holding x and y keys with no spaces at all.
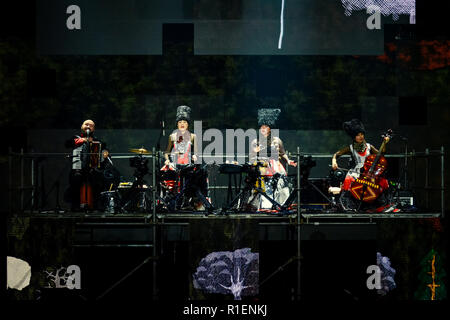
{"x":367,"y":187}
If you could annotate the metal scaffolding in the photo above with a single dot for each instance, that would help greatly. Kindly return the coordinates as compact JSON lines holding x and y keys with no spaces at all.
{"x":155,"y":221}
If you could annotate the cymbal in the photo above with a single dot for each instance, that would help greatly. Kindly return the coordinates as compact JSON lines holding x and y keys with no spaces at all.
{"x":141,"y":151}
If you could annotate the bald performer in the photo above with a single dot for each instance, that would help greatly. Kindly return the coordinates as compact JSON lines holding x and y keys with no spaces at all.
{"x":83,"y":172}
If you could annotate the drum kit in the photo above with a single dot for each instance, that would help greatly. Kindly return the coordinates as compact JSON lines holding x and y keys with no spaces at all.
{"x":125,"y":197}
{"x":183,"y":187}
{"x":260,"y":186}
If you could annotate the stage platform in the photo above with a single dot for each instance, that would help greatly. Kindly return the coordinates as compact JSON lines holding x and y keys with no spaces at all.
{"x":168,"y":247}
{"x":306,"y":216}
{"x":135,"y":230}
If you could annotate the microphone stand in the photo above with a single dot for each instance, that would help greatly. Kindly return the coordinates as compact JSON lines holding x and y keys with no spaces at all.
{"x":405,"y":171}
{"x":86,"y":208}
{"x":405,"y":168}
{"x":406,"y":162}
{"x":162,"y":133}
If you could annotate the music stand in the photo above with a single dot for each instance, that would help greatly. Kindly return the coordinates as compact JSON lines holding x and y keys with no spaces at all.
{"x":232,"y":170}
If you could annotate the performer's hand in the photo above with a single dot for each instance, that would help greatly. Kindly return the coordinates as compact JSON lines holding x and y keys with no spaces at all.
{"x":334,"y":164}
{"x":194,"y":158}
{"x":167,"y":162}
{"x":292,"y":163}
{"x":257,"y":149}
{"x":386,"y":139}
{"x":105,"y":154}
{"x":90,"y":139}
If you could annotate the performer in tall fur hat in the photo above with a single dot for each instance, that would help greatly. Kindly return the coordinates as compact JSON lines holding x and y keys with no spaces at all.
{"x":181,"y":152}
{"x":269,"y":148}
{"x":359,"y":150}
{"x":182,"y":144}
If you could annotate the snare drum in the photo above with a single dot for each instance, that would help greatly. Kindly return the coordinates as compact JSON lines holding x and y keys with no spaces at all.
{"x":169,"y":179}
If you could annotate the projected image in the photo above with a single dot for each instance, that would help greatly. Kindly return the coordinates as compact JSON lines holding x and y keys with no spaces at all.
{"x":431,"y":278}
{"x":227,"y":272}
{"x":221,"y":27}
{"x":385,"y":7}
{"x":387,"y":274}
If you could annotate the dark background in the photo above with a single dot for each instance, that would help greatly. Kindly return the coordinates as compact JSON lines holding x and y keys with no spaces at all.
{"x":403,"y":86}
{"x":43,"y":97}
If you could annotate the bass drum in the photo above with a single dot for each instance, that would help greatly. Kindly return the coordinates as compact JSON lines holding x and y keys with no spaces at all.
{"x":348,"y":202}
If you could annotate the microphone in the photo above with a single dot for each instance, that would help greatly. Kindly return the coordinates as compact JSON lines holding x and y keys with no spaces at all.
{"x":88,"y":132}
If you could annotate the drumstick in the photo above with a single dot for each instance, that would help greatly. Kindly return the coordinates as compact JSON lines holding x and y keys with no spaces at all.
{"x":110,"y":187}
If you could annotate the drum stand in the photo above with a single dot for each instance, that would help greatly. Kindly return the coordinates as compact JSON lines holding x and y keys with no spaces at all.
{"x":293,"y":196}
{"x":138,"y":195}
{"x":190,"y":185}
{"x":230,"y":189}
{"x":241,"y":198}
{"x":244,"y":195}
{"x":331,"y":201}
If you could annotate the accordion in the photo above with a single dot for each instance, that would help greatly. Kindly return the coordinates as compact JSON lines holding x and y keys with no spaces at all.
{"x":91,"y":155}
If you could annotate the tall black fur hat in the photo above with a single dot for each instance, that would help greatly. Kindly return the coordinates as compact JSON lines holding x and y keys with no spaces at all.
{"x":268,"y":117}
{"x":353,"y":127}
{"x":183,"y":113}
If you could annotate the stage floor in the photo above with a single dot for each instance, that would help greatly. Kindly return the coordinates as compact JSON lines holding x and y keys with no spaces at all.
{"x":306,"y":216}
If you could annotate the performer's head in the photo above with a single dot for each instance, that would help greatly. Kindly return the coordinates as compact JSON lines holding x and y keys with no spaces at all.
{"x":182,"y":125}
{"x":88,"y":124}
{"x":183,"y":118}
{"x":264,"y":130}
{"x":359,"y":138}
{"x":355,"y":129}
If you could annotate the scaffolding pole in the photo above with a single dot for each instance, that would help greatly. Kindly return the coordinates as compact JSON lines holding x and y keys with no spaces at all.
{"x":154,"y":248}
{"x":298,"y":226}
{"x":442,"y":184}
